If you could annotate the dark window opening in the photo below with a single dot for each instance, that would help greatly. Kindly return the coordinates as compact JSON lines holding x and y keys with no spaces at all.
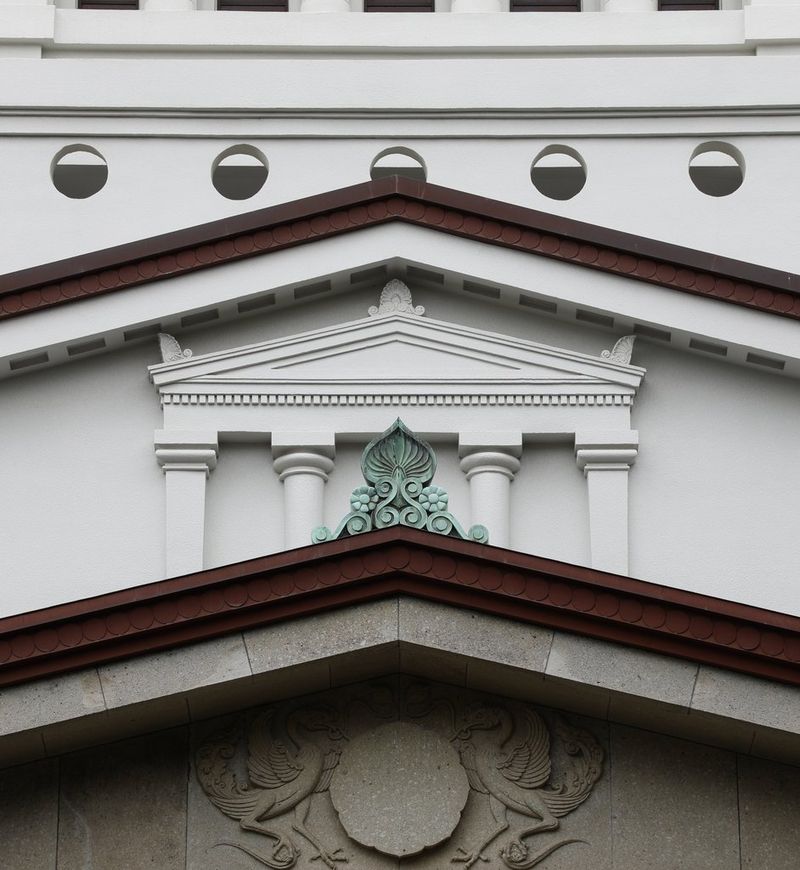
{"x":398,"y":5}
{"x":108,"y":4}
{"x":545,"y":5}
{"x":687,"y":5}
{"x":253,"y":5}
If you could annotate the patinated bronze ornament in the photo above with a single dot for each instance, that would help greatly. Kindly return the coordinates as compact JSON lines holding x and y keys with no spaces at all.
{"x":398,"y":468}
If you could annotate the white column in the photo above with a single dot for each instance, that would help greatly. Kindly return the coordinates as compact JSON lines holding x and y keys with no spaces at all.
{"x":605,"y":459}
{"x":325,"y":6}
{"x":186,"y":459}
{"x":490,"y":461}
{"x":167,"y":5}
{"x":303,"y":462}
{"x":630,"y":5}
{"x":477,"y":6}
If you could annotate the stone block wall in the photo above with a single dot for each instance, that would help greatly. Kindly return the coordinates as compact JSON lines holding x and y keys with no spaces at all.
{"x":400,"y":773}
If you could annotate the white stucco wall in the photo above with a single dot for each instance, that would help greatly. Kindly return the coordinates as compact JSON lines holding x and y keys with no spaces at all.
{"x":714,"y":493}
{"x":636,"y":183}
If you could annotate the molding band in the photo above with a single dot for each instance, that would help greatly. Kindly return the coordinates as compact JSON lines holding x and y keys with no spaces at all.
{"x":405,"y":561}
{"x":422,"y":204}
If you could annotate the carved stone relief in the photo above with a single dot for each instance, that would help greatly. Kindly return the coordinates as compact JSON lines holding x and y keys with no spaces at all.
{"x":398,"y":774}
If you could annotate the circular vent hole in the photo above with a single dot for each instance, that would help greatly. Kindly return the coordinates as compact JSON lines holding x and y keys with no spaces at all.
{"x":239,"y":172}
{"x":398,"y":161}
{"x":79,"y":171}
{"x":716,"y":169}
{"x":558,"y":172}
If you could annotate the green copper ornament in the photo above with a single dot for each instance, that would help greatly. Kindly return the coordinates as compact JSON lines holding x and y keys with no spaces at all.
{"x":398,"y":468}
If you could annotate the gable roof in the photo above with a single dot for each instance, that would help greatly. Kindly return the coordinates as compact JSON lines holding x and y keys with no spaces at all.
{"x":405,"y":561}
{"x":400,"y":199}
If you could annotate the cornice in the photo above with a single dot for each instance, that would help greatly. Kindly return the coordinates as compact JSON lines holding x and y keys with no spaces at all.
{"x":403,"y":561}
{"x":421,"y":204}
{"x":251,"y":397}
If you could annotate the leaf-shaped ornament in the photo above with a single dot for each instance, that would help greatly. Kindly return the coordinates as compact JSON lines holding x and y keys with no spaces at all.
{"x":398,"y":454}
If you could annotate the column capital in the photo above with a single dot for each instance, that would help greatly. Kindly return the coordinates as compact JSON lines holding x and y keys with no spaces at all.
{"x":320,"y":442}
{"x":186,"y":450}
{"x":303,"y":453}
{"x":606,"y":450}
{"x":501,"y":441}
{"x":303,"y":462}
{"x":491,"y":461}
{"x":496,"y":452}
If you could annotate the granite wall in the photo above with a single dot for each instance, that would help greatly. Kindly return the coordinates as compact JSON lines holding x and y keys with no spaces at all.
{"x":400,"y":773}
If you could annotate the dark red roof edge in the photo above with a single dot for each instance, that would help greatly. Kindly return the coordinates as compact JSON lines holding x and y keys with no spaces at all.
{"x":396,"y":561}
{"x":420,"y":203}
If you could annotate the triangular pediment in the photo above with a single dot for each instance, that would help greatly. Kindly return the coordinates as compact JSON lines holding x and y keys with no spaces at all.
{"x":390,"y":352}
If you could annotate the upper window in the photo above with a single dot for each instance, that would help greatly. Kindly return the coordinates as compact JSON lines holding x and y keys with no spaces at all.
{"x":683,"y":5}
{"x":253,"y":5}
{"x":545,"y":5}
{"x":108,"y":4}
{"x":398,"y":5}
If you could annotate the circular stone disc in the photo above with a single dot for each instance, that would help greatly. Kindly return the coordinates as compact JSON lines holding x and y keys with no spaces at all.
{"x":399,"y":789}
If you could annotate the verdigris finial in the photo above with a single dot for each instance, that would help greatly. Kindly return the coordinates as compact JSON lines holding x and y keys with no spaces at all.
{"x":398,"y":468}
{"x":170,"y":349}
{"x":395,"y":299}
{"x":622,"y":350}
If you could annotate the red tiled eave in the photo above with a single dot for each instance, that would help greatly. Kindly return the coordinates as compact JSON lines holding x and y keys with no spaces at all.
{"x":395,"y":198}
{"x":399,"y":561}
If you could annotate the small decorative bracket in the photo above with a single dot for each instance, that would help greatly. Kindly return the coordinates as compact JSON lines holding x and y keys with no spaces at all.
{"x":622,"y":351}
{"x":398,"y":468}
{"x":170,"y":349}
{"x":395,"y":298}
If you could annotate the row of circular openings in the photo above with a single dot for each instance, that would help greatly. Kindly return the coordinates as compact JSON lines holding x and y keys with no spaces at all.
{"x":558,"y":172}
{"x":715,"y":168}
{"x":80,"y":171}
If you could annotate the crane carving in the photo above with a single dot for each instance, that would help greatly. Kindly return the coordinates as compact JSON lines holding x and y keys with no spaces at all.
{"x":506,"y":754}
{"x":290,"y":758}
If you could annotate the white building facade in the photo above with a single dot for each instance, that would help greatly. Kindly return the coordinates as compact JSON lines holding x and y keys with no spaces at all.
{"x":558,"y":244}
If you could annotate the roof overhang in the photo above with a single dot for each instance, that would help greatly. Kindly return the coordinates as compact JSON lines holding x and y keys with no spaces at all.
{"x":697,"y":301}
{"x":396,"y":561}
{"x":399,"y":600}
{"x":400,"y":199}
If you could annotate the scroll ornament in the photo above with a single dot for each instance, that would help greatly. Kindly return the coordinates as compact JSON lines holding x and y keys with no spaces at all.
{"x":171,"y":350}
{"x":622,"y":351}
{"x":398,"y":468}
{"x":395,"y":298}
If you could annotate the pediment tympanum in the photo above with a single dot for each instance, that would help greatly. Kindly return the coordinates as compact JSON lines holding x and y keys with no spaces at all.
{"x":399,"y":770}
{"x":309,"y":391}
{"x":394,"y":357}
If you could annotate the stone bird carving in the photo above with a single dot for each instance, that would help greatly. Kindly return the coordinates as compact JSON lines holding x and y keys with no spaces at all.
{"x":506,"y":753}
{"x":288,"y":761}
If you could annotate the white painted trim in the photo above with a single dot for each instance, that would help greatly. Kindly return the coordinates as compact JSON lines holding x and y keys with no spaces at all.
{"x":187,"y":459}
{"x":605,"y":459}
{"x":631,"y":302}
